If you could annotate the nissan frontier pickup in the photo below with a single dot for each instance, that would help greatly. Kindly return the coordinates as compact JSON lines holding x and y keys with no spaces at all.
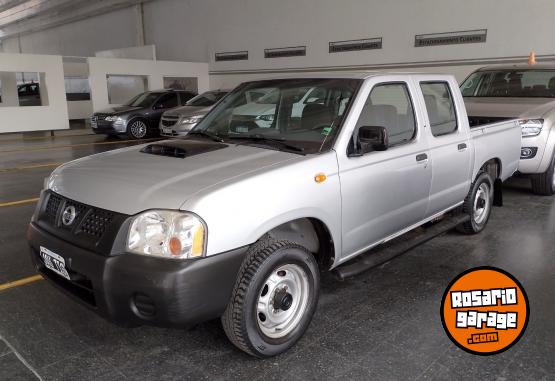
{"x":237,"y":220}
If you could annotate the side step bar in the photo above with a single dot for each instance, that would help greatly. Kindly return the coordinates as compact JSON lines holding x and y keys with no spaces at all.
{"x":396,"y":247}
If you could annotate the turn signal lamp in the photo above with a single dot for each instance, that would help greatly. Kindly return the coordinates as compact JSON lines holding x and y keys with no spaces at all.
{"x":320,"y":178}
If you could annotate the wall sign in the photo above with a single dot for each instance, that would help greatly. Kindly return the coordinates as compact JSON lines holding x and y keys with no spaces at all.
{"x":232,"y":56}
{"x":285,"y":52}
{"x":451,"y":38}
{"x":355,"y":45}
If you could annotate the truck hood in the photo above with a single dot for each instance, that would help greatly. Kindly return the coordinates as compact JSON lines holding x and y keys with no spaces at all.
{"x":188,"y":111}
{"x":130,"y":181}
{"x":507,"y":107}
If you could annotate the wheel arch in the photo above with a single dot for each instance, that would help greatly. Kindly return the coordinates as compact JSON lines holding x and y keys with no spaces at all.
{"x":493,"y":167}
{"x":310,"y":232}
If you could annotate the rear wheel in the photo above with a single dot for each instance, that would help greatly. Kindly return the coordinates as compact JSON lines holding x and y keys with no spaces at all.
{"x":477,"y":204}
{"x":137,"y":129}
{"x":274,"y":298}
{"x":544,"y":184}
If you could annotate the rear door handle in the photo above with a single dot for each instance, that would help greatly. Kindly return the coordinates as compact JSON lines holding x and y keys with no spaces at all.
{"x":420,"y":158}
{"x":462,"y":147}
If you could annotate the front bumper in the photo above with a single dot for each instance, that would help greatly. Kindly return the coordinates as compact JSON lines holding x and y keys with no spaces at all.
{"x":132,"y":289}
{"x":177,"y":130}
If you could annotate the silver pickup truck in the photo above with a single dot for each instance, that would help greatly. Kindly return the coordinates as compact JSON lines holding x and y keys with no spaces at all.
{"x":527,"y":93}
{"x":237,"y":221}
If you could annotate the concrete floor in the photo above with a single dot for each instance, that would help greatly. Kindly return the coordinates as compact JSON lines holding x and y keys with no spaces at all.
{"x":383,"y":324}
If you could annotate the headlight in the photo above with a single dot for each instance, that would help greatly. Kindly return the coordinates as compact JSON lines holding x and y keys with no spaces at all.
{"x":266,"y":118}
{"x":168,"y":234}
{"x":191,"y":120}
{"x":531,"y":127}
{"x":119,"y":121}
{"x":111,"y":118}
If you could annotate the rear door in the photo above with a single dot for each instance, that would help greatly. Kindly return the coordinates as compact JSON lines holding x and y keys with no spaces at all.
{"x":449,"y":144}
{"x":384,"y":192}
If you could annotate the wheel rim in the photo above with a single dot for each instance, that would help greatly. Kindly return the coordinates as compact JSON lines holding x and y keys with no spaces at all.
{"x":282,"y":301}
{"x":138,"y":129}
{"x":481,"y":203}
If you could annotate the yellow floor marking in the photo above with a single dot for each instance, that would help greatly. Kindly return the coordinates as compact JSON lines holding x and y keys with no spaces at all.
{"x":33,"y":166}
{"x":46,"y":148}
{"x":20,"y":202}
{"x":44,"y":138}
{"x":20,"y":282}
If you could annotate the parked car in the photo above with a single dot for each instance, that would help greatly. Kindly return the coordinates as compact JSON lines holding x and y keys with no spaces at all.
{"x":140,"y":116}
{"x":525,"y":92}
{"x":239,"y":225}
{"x":179,"y":121}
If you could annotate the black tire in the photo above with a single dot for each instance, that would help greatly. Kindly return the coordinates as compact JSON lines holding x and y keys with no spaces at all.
{"x":137,"y":129}
{"x":243,"y":322}
{"x":544,"y":183}
{"x":474,"y":203}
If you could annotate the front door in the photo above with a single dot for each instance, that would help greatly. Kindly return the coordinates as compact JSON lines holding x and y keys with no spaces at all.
{"x":384,"y":192}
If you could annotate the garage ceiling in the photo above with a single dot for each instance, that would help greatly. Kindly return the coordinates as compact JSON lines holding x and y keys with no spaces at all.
{"x":25,"y":16}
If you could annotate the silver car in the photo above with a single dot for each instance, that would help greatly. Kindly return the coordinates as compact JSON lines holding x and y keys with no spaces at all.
{"x":179,"y":121}
{"x":527,"y":93}
{"x":237,"y":221}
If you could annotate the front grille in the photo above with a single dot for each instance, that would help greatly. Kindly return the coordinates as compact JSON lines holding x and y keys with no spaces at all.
{"x":92,"y":228}
{"x":52,"y":207}
{"x":95,"y":223}
{"x":476,"y":121}
{"x":168,"y":123}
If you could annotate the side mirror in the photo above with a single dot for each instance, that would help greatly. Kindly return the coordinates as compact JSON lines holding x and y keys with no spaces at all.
{"x":369,"y":138}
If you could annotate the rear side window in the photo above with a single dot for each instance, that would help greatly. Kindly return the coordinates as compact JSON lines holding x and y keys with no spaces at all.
{"x":389,"y":105}
{"x":167,"y":101}
{"x":440,"y":107}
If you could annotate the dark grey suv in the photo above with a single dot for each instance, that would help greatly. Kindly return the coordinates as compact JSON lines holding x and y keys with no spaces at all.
{"x":141,"y":115}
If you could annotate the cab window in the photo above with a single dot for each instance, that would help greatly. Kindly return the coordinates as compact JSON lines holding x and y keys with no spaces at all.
{"x":389,"y":105}
{"x":440,"y":107}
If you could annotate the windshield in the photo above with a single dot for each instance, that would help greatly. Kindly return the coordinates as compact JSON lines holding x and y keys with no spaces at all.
{"x":527,"y":83}
{"x":288,"y":114}
{"x":143,"y":100}
{"x":206,"y":99}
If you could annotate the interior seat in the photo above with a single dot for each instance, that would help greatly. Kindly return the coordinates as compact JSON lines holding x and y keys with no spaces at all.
{"x":315,"y":115}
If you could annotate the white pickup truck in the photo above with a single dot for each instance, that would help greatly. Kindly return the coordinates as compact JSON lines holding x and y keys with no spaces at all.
{"x":237,"y":221}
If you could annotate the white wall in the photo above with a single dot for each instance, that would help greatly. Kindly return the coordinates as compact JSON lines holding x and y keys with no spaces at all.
{"x":99,"y":68}
{"x":53,"y":116}
{"x":193,"y":30}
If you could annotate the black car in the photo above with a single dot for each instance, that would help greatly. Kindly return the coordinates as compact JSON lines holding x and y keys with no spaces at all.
{"x":141,"y":115}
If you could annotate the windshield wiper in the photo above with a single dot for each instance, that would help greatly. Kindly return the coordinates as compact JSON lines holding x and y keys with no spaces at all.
{"x":265,"y":139}
{"x":210,"y":135}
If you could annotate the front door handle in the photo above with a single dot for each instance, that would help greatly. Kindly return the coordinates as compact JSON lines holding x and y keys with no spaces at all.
{"x":462,"y":147}
{"x":420,"y":158}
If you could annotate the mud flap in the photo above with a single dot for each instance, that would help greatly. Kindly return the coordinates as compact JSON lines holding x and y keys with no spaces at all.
{"x":498,"y":192}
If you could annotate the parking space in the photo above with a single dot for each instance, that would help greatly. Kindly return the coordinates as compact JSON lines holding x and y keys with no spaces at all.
{"x":382,"y":324}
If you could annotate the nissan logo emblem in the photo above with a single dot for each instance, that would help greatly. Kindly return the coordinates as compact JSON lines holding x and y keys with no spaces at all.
{"x":68,"y":216}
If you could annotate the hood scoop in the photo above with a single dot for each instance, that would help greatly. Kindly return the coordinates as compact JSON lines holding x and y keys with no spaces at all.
{"x":182,"y":148}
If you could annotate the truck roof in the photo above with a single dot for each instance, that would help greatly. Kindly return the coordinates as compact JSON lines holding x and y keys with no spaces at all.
{"x":345,"y":75}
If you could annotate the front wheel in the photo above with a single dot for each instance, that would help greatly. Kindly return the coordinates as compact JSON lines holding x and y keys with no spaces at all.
{"x":544,"y":183}
{"x":477,"y":204}
{"x":274,"y":298}
{"x":137,"y":129}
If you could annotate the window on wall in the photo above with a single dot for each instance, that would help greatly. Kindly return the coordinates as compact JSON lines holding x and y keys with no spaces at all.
{"x":121,"y":88}
{"x":181,"y":83}
{"x":440,"y":107}
{"x":77,"y":89}
{"x":390,"y":106}
{"x":22,"y":89}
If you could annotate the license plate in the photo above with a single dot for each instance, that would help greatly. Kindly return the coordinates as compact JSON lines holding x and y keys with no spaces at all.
{"x":167,"y":130}
{"x":54,"y":262}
